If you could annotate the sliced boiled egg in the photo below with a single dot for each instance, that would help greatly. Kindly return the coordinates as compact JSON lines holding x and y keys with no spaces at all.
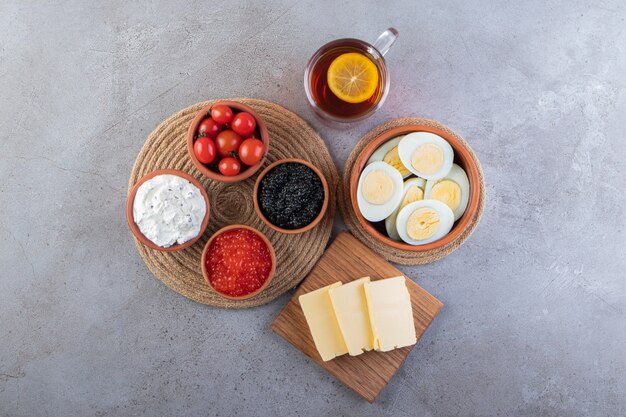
{"x":426,"y":155}
{"x":453,"y":190}
{"x":388,"y":152}
{"x":424,"y":221}
{"x":379,"y":191}
{"x":413,"y":191}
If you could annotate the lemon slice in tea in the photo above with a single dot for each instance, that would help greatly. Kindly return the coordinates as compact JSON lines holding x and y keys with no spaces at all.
{"x":353,"y":77}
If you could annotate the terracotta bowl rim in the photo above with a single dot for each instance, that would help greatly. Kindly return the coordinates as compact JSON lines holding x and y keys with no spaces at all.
{"x":462,"y":154}
{"x":193,"y":127}
{"x":131,"y":199}
{"x":272,"y":256}
{"x":315,"y":221}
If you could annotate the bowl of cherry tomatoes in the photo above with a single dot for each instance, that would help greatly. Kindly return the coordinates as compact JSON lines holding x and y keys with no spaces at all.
{"x":227,"y":141}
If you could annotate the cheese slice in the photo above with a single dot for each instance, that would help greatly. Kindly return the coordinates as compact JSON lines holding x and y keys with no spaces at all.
{"x":390,"y":313}
{"x":351,"y":309}
{"x":320,"y":316}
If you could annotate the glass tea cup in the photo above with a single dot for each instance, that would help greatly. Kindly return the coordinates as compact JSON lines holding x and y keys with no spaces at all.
{"x":323,"y":101}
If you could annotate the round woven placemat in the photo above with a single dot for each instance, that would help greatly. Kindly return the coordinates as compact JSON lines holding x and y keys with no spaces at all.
{"x":290,"y":137}
{"x":392,"y":254}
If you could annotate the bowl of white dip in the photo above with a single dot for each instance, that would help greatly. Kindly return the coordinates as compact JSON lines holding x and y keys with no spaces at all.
{"x":167,"y":210}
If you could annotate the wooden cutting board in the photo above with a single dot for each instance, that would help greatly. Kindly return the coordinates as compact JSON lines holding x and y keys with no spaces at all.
{"x":346,"y":260}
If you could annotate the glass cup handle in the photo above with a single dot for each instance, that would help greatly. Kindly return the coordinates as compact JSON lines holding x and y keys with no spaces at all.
{"x":385,"y":40}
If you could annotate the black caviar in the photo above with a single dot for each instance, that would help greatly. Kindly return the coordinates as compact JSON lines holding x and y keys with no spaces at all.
{"x":291,"y":195}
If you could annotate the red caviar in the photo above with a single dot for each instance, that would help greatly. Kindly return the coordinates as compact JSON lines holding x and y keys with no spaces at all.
{"x":238,"y":262}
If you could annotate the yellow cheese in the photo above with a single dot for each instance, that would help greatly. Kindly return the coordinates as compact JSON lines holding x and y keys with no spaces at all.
{"x":390,"y":313}
{"x":320,"y":316}
{"x":351,"y":309}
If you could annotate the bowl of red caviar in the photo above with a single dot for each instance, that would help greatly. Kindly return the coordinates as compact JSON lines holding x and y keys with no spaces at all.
{"x":238,"y":262}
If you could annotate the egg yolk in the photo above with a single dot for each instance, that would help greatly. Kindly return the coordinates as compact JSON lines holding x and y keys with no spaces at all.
{"x":377,"y":187}
{"x":427,"y":158}
{"x":422,"y":223}
{"x":393,"y":158}
{"x":447,"y":192}
{"x":412,"y":195}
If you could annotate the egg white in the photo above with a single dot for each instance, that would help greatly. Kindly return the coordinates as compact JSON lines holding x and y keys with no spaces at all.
{"x":457,"y":175}
{"x":383,"y":149}
{"x":390,"y":222}
{"x":412,"y":141}
{"x":446,"y":220}
{"x":378,"y":212}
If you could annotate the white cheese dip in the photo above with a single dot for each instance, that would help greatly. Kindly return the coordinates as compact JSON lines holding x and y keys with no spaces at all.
{"x":169,"y":209}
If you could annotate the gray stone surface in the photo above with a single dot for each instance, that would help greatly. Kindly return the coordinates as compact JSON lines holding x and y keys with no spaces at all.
{"x":535,"y":302}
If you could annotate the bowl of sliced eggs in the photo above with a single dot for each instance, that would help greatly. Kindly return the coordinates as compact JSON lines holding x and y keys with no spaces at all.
{"x":415,"y":188}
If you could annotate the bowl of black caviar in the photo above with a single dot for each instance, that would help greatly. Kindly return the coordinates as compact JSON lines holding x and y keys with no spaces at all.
{"x":291,"y":196}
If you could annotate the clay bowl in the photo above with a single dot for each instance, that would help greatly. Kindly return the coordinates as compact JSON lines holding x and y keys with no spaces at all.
{"x":135,"y":229}
{"x":272,"y":255}
{"x":237,"y":107}
{"x":315,"y":221}
{"x":462,"y":157}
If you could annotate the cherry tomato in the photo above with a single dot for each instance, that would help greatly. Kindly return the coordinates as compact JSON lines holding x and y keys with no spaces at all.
{"x":204,"y":148}
{"x":222,"y":114}
{"x":227,"y":141}
{"x":209,"y":127}
{"x":251,"y":151}
{"x":243,"y":124}
{"x":229,"y":166}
